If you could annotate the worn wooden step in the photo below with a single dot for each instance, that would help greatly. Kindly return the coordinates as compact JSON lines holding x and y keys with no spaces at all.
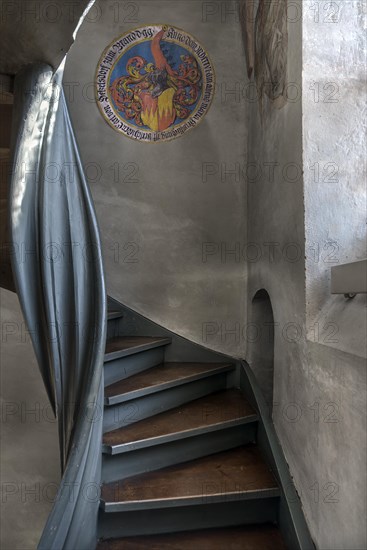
{"x":238,"y":474}
{"x":157,"y":389}
{"x":122,"y":346}
{"x":114,"y":314}
{"x":218,"y":411}
{"x":199,"y":427}
{"x":251,"y":537}
{"x":162,"y":377}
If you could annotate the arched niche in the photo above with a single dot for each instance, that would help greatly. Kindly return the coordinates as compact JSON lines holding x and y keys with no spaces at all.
{"x":261,"y":345}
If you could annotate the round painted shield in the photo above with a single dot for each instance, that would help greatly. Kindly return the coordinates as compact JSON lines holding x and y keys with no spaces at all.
{"x":154,"y":83}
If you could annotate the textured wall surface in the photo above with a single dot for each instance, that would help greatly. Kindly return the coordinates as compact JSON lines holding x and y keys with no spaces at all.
{"x":30,"y":460}
{"x":320,"y":376}
{"x":37,"y":30}
{"x":157,"y":204}
{"x":334,"y":142}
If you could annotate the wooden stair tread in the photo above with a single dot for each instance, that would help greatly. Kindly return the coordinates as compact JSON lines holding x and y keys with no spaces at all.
{"x":114,"y":313}
{"x":122,"y":346}
{"x":221,"y":408}
{"x":161,"y":377}
{"x":237,"y":472}
{"x":251,"y":537}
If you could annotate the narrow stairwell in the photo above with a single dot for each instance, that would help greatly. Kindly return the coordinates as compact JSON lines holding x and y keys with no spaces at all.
{"x":181,"y":468}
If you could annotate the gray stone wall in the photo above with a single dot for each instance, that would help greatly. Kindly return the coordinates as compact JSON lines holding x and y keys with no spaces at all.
{"x":319,"y":366}
{"x":334,"y":142}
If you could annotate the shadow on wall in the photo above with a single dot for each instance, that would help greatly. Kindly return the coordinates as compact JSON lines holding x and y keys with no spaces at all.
{"x":261,"y":347}
{"x":30,"y":460}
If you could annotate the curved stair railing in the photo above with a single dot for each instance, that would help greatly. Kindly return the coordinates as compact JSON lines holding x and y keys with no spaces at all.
{"x":59,"y":279}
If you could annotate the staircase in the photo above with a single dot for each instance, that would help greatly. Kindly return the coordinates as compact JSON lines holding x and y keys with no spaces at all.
{"x":181,"y":465}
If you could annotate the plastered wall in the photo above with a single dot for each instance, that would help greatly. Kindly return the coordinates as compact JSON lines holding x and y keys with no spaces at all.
{"x":29,"y":463}
{"x":166,"y":208}
{"x":319,"y":405}
{"x":334,"y":143}
{"x":37,"y":31}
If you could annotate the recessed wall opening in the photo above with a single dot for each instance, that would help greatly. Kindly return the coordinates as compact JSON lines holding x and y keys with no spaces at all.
{"x":261,"y":347}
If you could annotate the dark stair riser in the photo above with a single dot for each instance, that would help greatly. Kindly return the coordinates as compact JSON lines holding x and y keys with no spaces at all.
{"x":250,"y":537}
{"x":119,"y":369}
{"x":116,"y":467}
{"x":205,"y":516}
{"x":113,"y":324}
{"x":124,"y":414}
